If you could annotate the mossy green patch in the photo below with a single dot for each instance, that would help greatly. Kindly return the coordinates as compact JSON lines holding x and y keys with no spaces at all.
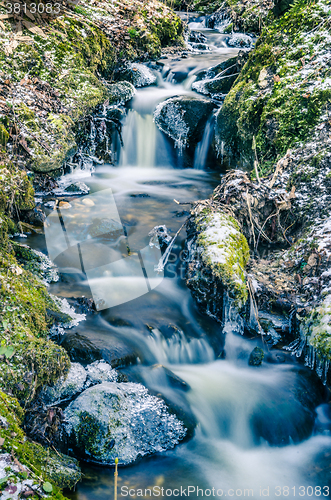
{"x":62,"y":77}
{"x":318,"y":329}
{"x":42,"y":464}
{"x":224,"y":249}
{"x":25,"y":322}
{"x":280,"y":94}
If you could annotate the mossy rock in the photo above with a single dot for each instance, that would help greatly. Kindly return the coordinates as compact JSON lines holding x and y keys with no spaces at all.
{"x":256,"y":357}
{"x":120,"y":420}
{"x":218,"y":255}
{"x":183,"y":119}
{"x":318,"y":329}
{"x":4,"y":135}
{"x":121,"y":92}
{"x":45,"y":465}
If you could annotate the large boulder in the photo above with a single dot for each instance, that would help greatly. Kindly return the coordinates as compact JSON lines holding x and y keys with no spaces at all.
{"x":120,"y":420}
{"x":183,"y":119}
{"x":220,"y":78}
{"x":215,"y":86}
{"x":137,"y":74}
{"x":217,"y":256}
{"x":121,"y":92}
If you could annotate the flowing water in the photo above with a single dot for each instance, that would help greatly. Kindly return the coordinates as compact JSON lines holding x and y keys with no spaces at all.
{"x":254,"y":435}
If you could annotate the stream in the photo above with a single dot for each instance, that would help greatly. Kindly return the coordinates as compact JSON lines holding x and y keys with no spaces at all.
{"x":253,"y":437}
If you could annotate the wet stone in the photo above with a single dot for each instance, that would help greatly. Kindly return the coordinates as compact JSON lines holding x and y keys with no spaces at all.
{"x":256,"y":357}
{"x":77,"y":188}
{"x":113,"y":420}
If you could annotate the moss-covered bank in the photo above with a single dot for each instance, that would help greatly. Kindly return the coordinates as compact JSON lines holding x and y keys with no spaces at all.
{"x":28,"y":360}
{"x":51,"y":79}
{"x":30,"y":466}
{"x":284,"y":88}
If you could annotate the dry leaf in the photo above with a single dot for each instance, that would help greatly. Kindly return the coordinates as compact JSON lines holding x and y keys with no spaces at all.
{"x":34,"y":29}
{"x":9,"y":49}
{"x":30,"y":15}
{"x":23,"y":38}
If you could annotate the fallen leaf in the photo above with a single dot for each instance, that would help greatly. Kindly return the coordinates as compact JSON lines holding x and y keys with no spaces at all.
{"x":21,"y":38}
{"x":34,"y":29}
{"x":9,"y":49}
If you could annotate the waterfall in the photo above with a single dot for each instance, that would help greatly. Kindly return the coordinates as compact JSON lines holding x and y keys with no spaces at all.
{"x":178,"y":349}
{"x":139,"y":138}
{"x":202,"y":149}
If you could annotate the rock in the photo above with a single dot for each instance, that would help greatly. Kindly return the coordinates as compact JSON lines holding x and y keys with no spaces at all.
{"x":65,"y":388}
{"x":183,"y":119}
{"x":121,"y":92}
{"x":219,"y":78}
{"x":280,"y":6}
{"x":197,"y":37}
{"x":225,"y":67}
{"x":137,"y":74}
{"x":217,"y":256}
{"x":80,"y":348}
{"x":287,"y":415}
{"x":240,"y":40}
{"x":120,"y":420}
{"x":35,"y":217}
{"x":92,"y":346}
{"x":105,"y":226}
{"x":99,"y":372}
{"x":172,"y":378}
{"x":64,"y":205}
{"x":214,"y":86}
{"x":256,"y":357}
{"x":77,"y":188}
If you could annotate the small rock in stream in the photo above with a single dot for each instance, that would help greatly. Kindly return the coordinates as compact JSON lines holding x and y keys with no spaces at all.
{"x":77,"y":188}
{"x":256,"y":357}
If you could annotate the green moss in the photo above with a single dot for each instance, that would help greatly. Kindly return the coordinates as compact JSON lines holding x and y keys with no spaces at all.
{"x":88,"y":434}
{"x":25,"y":322}
{"x":280,"y":110}
{"x":4,"y":135}
{"x":43,"y":464}
{"x":74,"y":59}
{"x":318,"y":329}
{"x":16,"y":191}
{"x":228,"y":260}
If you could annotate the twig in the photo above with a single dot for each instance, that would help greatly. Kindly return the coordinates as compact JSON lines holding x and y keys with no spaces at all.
{"x":256,"y":162}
